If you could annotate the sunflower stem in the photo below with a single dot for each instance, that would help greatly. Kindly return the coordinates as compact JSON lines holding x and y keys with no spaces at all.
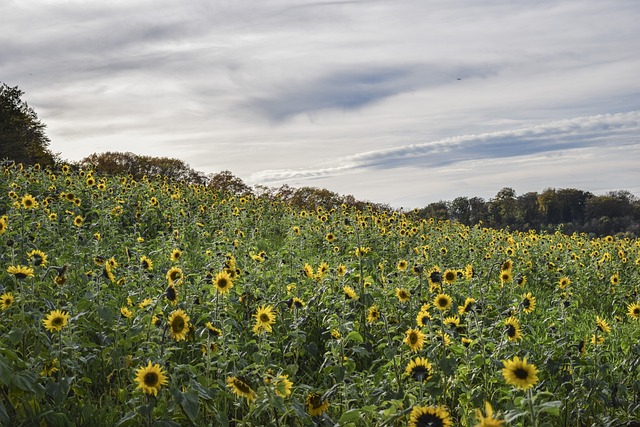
{"x":534,"y":421}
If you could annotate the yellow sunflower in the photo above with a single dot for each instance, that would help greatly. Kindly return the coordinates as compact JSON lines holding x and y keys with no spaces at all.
{"x":175,"y":255}
{"x":223,"y":282}
{"x":265,"y":317}
{"x":468,"y":306}
{"x":449,"y":277}
{"x":146,"y":263}
{"x":171,"y":293}
{"x":179,"y":325}
{"x":403,"y":294}
{"x":414,"y":339}
{"x":633,"y":310}
{"x":513,"y":330}
{"x":487,"y":420}
{"x":174,"y":275}
{"x":29,"y":202}
{"x":602,"y":325}
{"x":528,"y":303}
{"x":315,"y":405}
{"x":419,"y":369}
{"x":150,"y":378}
{"x":402,"y":265}
{"x":349,"y":292}
{"x":4,"y":224}
{"x":374,"y":314}
{"x":241,"y":387}
{"x":20,"y":272}
{"x":6,"y":300}
{"x":442,"y":302}
{"x":283,"y":386}
{"x":423,"y":318}
{"x":78,"y":221}
{"x":430,"y":416}
{"x":519,"y":373}
{"x":55,"y":320}
{"x":37,"y":258}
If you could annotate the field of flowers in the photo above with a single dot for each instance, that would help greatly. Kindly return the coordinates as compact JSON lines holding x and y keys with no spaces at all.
{"x":160,"y":303}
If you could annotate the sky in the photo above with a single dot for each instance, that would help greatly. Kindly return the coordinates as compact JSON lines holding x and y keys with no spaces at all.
{"x":403,"y":102}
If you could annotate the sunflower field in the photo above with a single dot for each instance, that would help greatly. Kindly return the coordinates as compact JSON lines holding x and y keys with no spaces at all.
{"x":155,"y":302}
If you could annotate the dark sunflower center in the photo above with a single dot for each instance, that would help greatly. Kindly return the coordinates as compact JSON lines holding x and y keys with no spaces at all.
{"x":419,"y":373}
{"x":178,"y":324}
{"x":57,"y":321}
{"x":442,"y":302}
{"x":413,"y":338}
{"x":37,"y":260}
{"x":636,"y":311}
{"x":20,"y":275}
{"x":526,"y":303}
{"x":315,"y":402}
{"x":429,"y":420}
{"x":150,"y":379}
{"x":450,"y":276}
{"x":511,"y":331}
{"x":264,"y":318}
{"x":242,"y":386}
{"x":222,"y":283}
{"x":521,"y":373}
{"x":175,"y":275}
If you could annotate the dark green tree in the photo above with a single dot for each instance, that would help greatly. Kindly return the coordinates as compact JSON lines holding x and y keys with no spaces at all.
{"x":22,"y":137}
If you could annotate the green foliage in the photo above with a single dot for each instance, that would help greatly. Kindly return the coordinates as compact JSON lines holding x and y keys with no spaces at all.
{"x":22,"y":137}
{"x":581,"y":334}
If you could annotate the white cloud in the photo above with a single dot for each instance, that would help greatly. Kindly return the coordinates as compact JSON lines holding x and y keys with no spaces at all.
{"x":338,"y":93}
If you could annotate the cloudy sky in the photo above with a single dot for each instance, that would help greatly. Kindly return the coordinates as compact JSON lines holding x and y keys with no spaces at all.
{"x":403,"y":102}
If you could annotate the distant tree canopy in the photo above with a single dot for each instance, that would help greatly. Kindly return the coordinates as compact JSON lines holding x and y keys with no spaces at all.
{"x":568,"y":209}
{"x":115,"y":163}
{"x":22,"y":137}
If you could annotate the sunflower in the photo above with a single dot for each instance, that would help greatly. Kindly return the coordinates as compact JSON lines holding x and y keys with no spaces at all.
{"x":505,"y":277}
{"x":315,"y":405}
{"x":179,"y":325}
{"x":521,"y":280}
{"x":223,"y":282}
{"x":468,"y":306}
{"x":3,"y":224}
{"x":513,"y":329}
{"x":78,"y":221}
{"x":241,"y":387}
{"x":442,"y":302}
{"x":55,"y":320}
{"x":172,"y":294}
{"x":29,"y":202}
{"x":602,"y":325}
{"x":468,"y":272}
{"x":519,"y":373}
{"x":283,"y":386}
{"x":146,"y":263}
{"x":419,"y":369}
{"x":615,"y":279}
{"x":443,"y":337}
{"x":402,"y":265}
{"x":330,"y":237}
{"x":20,"y":272}
{"x":633,"y":310}
{"x":145,"y":303}
{"x":564,"y":282}
{"x":265,"y":317}
{"x":374,"y":314}
{"x":423,"y":318}
{"x":150,"y":378}
{"x":174,"y":275}
{"x":307,"y":270}
{"x":414,"y":339}
{"x":342,"y":270}
{"x":453,"y":321}
{"x":349,"y":292}
{"x":436,"y":416}
{"x":295,"y":303}
{"x":126,"y":313}
{"x":50,"y":368}
{"x":449,"y":277}
{"x":528,"y":303}
{"x":488,"y":420}
{"x":213,"y":331}
{"x":403,"y":294}
{"x":506,"y":266}
{"x":6,"y":300}
{"x":38,"y":258}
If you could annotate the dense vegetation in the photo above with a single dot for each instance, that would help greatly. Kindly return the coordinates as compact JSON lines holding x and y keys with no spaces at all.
{"x":154,"y":302}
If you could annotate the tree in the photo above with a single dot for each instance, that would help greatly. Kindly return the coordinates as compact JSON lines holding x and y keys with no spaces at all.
{"x":225,"y":182}
{"x":22,"y":136}
{"x":115,"y":163}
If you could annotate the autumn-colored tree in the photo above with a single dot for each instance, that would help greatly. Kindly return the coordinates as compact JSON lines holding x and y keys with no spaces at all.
{"x":117,"y":163}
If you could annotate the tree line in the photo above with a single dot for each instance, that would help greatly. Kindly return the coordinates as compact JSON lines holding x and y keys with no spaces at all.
{"x":568,"y":210}
{"x":23,"y":140}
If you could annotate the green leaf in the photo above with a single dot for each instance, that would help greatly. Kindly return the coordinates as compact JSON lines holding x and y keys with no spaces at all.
{"x":551,"y":408}
{"x":127,"y":420}
{"x":354,"y":336}
{"x":190,"y":404}
{"x":350,"y":415}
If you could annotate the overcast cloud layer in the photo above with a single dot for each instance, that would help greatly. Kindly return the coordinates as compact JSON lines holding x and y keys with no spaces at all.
{"x":399,"y":102}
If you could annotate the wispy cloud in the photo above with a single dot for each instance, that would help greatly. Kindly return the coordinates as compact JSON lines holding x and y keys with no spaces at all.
{"x":608,"y":130}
